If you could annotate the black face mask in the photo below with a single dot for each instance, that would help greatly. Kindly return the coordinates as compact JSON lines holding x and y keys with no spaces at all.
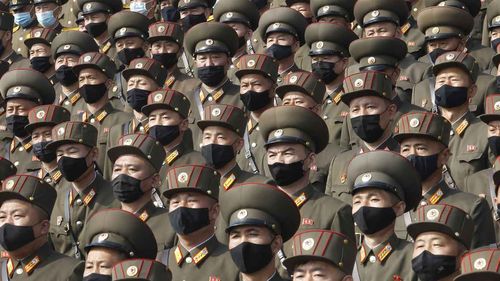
{"x":325,"y":71}
{"x":126,"y":189}
{"x":279,"y":52}
{"x":211,"y":75}
{"x":449,"y":97}
{"x":425,"y":165}
{"x":494,"y":144}
{"x":170,"y":14}
{"x":72,"y":168}
{"x":435,"y":54}
{"x":494,"y":44}
{"x":259,"y":3}
{"x":217,"y":155}
{"x":96,"y":29}
{"x":42,"y":153}
{"x":367,"y":127}
{"x":250,"y":257}
{"x":164,"y":134}
{"x":286,"y":174}
{"x":254,"y":100}
{"x":40,"y":64}
{"x":16,"y":124}
{"x":137,"y":98}
{"x":166,"y":59}
{"x":92,"y":93}
{"x":128,"y":54}
{"x":371,"y":220}
{"x":192,"y":20}
{"x":66,"y":76}
{"x":97,"y":277}
{"x":13,"y":237}
{"x":430,"y":267}
{"x":188,"y":220}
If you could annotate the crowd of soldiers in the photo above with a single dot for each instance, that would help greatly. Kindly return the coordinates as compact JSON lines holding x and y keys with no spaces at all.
{"x":250,"y":140}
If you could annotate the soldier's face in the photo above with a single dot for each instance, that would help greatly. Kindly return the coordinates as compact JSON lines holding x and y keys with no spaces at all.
{"x":494,"y":129}
{"x":19,"y":107}
{"x":141,"y":82}
{"x":254,"y":234}
{"x":90,"y":76}
{"x":288,"y":153}
{"x":66,"y":59}
{"x":381,"y":29}
{"x":94,"y":18}
{"x":39,"y":50}
{"x":164,"y":47}
{"x":219,"y":135}
{"x":256,"y":83}
{"x":41,"y":134}
{"x":211,"y":59}
{"x":437,"y":243}
{"x":319,"y":271}
{"x":75,"y":150}
{"x":340,"y":62}
{"x":455,"y":77}
{"x":420,"y":147}
{"x":39,"y":8}
{"x":283,"y":39}
{"x":495,"y":34}
{"x":22,"y":213}
{"x":101,"y":261}
{"x":336,"y":20}
{"x":241,"y":29}
{"x":194,"y":200}
{"x":449,"y":44}
{"x":164,"y":117}
{"x":136,"y":167}
{"x":372,"y":197}
{"x":129,"y":43}
{"x":303,"y":8}
{"x":194,"y":11}
{"x":300,"y":99}
{"x":371,"y":105}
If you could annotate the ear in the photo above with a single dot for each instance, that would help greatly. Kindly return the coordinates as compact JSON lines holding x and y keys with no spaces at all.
{"x":399,"y":33}
{"x":277,"y":244}
{"x":94,"y":153}
{"x":184,"y":126}
{"x":444,"y":156}
{"x":399,"y":208}
{"x":214,"y":212}
{"x":207,"y":12}
{"x":311,"y":158}
{"x":472,"y":91}
{"x":347,"y":278}
{"x":296,"y":45}
{"x":156,"y":180}
{"x":145,"y":46}
{"x":44,"y":227}
{"x":109,"y":84}
{"x":238,"y":145}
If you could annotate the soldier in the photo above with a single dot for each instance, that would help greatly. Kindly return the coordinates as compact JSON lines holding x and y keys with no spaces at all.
{"x":193,"y":211}
{"x":493,"y":21}
{"x":140,"y":270}
{"x":25,"y":237}
{"x":38,"y":42}
{"x":381,"y":193}
{"x":169,"y":11}
{"x":41,"y":121}
{"x":7,"y":169}
{"x":480,"y":264}
{"x":95,"y":72}
{"x":334,"y":259}
{"x":283,"y":32}
{"x":23,"y":89}
{"x":7,"y":53}
{"x":48,"y":13}
{"x":75,"y":145}
{"x":193,"y":12}
{"x":96,"y":14}
{"x":137,"y":160}
{"x":294,"y":136}
{"x":424,"y":139}
{"x":25,"y":20}
{"x":442,"y":233}
{"x":115,"y":236}
{"x":145,"y":8}
{"x":67,"y":48}
{"x":258,"y":228}
{"x":333,"y":11}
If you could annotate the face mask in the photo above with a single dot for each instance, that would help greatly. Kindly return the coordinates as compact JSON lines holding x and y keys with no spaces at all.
{"x":42,"y":153}
{"x":367,"y":127}
{"x":95,"y":29}
{"x":435,"y":54}
{"x":93,"y":93}
{"x":449,"y":97}
{"x":16,"y":124}
{"x":241,"y":42}
{"x":164,"y":134}
{"x":188,"y":220}
{"x":46,"y":19}
{"x":325,"y":71}
{"x":279,"y":52}
{"x":286,"y":174}
{"x":217,"y":155}
{"x":66,"y":76}
{"x":250,"y":257}
{"x":255,"y":100}
{"x":72,"y":168}
{"x":371,"y":220}
{"x":167,"y":59}
{"x":137,"y":98}
{"x":40,"y":64}
{"x":139,"y":7}
{"x":425,"y":165}
{"x":192,"y":20}
{"x":170,"y":14}
{"x":494,"y":44}
{"x":494,"y":144}
{"x":259,"y":3}
{"x":127,"y":55}
{"x":430,"y":267}
{"x":127,"y":189}
{"x":23,"y":19}
{"x":97,"y":277}
{"x":13,"y":237}
{"x":211,"y":75}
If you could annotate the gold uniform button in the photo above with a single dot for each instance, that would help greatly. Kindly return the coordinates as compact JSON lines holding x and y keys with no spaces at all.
{"x":21,"y":38}
{"x":48,"y":180}
{"x":189,"y":260}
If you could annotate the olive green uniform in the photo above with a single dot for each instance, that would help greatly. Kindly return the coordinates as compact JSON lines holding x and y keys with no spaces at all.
{"x":19,"y":35}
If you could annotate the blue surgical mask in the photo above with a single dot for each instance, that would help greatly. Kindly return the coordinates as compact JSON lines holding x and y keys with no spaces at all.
{"x":138,"y":7}
{"x":46,"y":19}
{"x":23,"y":19}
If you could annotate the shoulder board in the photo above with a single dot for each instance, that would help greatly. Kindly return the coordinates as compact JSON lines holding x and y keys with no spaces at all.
{"x":70,"y":29}
{"x":16,"y":28}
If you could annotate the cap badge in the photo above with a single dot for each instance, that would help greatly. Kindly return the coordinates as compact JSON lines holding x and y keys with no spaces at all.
{"x":375,"y":13}
{"x":38,"y":34}
{"x":319,"y":44}
{"x":229,"y":15}
{"x":187,"y":1}
{"x":182,"y":177}
{"x":251,"y":63}
{"x":127,"y":142}
{"x":216,"y":112}
{"x":209,"y":42}
{"x":308,"y":244}
{"x":132,"y":271}
{"x":60,"y":132}
{"x":371,"y":60}
{"x":17,"y":89}
{"x":480,"y":263}
{"x":9,"y":185}
{"x":278,"y":133}
{"x":87,"y":58}
{"x":414,"y":123}
{"x":40,"y":114}
{"x":497,"y":105}
{"x":123,"y":30}
{"x":450,"y":56}
{"x":88,"y":6}
{"x":102,"y":237}
{"x":366,"y":177}
{"x":138,"y":65}
{"x":242,"y":214}
{"x":496,"y":19}
{"x":435,"y":30}
{"x":359,"y":83}
{"x":432,"y":214}
{"x":293,"y":79}
{"x":326,"y":8}
{"x":161,"y":28}
{"x":158,"y":97}
{"x":276,"y":25}
{"x":66,"y":47}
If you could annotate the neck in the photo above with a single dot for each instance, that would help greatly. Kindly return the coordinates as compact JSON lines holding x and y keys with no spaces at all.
{"x":49,"y":73}
{"x":7,"y":51}
{"x":285,"y":64}
{"x":174,"y":143}
{"x":96,"y":106}
{"x":85,"y":180}
{"x":256,"y":114}
{"x":69,"y":89}
{"x":455,"y":113}
{"x":29,"y":249}
{"x":228,"y":167}
{"x":432,"y":181}
{"x":211,"y":89}
{"x":264,"y":274}
{"x":194,"y":239}
{"x":138,"y":204}
{"x":373,"y":240}
{"x":296,"y":186}
{"x":101,"y":39}
{"x":334,"y":85}
{"x":373,"y":146}
{"x":49,"y":167}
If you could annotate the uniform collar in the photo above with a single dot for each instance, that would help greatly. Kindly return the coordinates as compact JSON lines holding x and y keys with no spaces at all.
{"x":55,"y":175}
{"x":198,"y":254}
{"x":176,"y":152}
{"x":334,"y":96}
{"x":303,"y":195}
{"x":29,"y":264}
{"x":100,"y":114}
{"x":252,"y":124}
{"x":138,"y":125}
{"x":12,"y":57}
{"x":87,"y":196}
{"x":72,"y":97}
{"x":172,"y":78}
{"x":25,"y":143}
{"x":461,"y":125}
{"x":436,"y":193}
{"x":381,"y":252}
{"x":146,"y":211}
{"x":390,"y":144}
{"x":216,"y":94}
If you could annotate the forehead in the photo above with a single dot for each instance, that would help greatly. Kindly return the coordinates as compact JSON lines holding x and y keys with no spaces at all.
{"x":494,"y":123}
{"x":217,"y":130}
{"x":315,"y":265}
{"x":286,"y":146}
{"x":15,"y":204}
{"x":433,"y":235}
{"x":102,"y":254}
{"x":163,"y":111}
{"x":141,"y":77}
{"x":280,"y":35}
{"x":367,"y":100}
{"x":252,"y":77}
{"x":378,"y":25}
{"x":76,"y":146}
{"x":370,"y":191}
{"x":452,"y":71}
{"x":90,"y":71}
{"x":248,"y":228}
{"x":131,"y":159}
{"x":198,"y":195}
{"x":21,"y":102}
{"x":42,"y":129}
{"x":67,"y":56}
{"x":418,"y":140}
{"x":39,"y":46}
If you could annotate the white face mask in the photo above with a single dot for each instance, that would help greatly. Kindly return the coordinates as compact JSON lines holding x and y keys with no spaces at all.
{"x":46,"y":19}
{"x":139,"y":7}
